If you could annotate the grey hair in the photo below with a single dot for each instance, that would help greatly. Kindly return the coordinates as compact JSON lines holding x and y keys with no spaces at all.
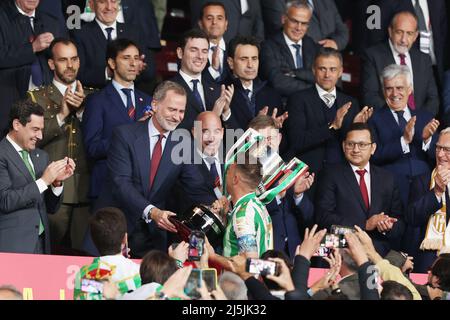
{"x":15,"y":294}
{"x":348,"y":260}
{"x":298,"y":4}
{"x":394,"y":70}
{"x":162,"y":89}
{"x":233,"y":286}
{"x":445,"y":131}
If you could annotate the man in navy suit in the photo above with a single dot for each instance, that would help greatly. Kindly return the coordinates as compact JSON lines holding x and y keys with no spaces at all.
{"x":359,"y":193}
{"x":252,"y":95}
{"x":143,"y":169}
{"x":319,"y":116}
{"x":203,"y":93}
{"x":293,"y":211}
{"x":118,"y":103}
{"x":92,"y":40}
{"x":429,"y":196}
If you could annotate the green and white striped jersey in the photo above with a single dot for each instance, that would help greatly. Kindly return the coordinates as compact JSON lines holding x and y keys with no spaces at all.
{"x":249,"y":228}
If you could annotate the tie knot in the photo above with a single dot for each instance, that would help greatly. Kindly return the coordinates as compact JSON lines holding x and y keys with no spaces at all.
{"x":400,"y":113}
{"x":127,"y":91}
{"x":210,"y":160}
{"x":297,"y":46}
{"x":247,"y":92}
{"x":212,"y":48}
{"x":24,"y":154}
{"x":361,"y":172}
{"x":329,"y":99}
{"x":195,"y":82}
{"x":109,"y":30}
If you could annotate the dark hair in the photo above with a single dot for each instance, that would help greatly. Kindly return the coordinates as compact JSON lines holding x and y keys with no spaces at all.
{"x":117,"y":46}
{"x":393,"y":290}
{"x":108,"y":227}
{"x":326,"y":52}
{"x":192,"y":34}
{"x":441,"y":269}
{"x":261,"y":122}
{"x":242,"y":40}
{"x":64,"y":41}
{"x":249,"y":169}
{"x":272,"y":285}
{"x":157,"y":266}
{"x":210,"y":4}
{"x":360,"y":126}
{"x":22,"y":110}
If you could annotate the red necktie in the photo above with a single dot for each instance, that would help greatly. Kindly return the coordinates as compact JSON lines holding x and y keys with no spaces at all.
{"x":156,"y":158}
{"x":363,"y":187}
{"x":411,"y":102}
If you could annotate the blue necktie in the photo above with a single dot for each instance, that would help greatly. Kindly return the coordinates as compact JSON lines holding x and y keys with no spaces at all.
{"x":109,"y":30}
{"x":131,"y":110}
{"x":250,"y":101}
{"x":196,"y":93}
{"x":220,"y":65}
{"x":36,"y":71}
{"x":298,"y":56}
{"x":401,"y":120}
{"x":213,"y":170}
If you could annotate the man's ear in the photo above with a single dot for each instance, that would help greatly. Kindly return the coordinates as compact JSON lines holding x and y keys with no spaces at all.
{"x":111,"y":64}
{"x":51,"y":64}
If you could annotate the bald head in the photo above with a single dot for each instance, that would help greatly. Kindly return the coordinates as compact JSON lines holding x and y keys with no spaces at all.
{"x":9,"y":293}
{"x":208,"y":132}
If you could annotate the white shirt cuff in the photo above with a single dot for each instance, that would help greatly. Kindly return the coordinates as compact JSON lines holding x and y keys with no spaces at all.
{"x":42,"y":186}
{"x":60,"y":122}
{"x":405,"y":146}
{"x":213,"y":72}
{"x":278,"y":198}
{"x":227,"y":117}
{"x":57,"y":191}
{"x":146,"y":213}
{"x":298,"y":199}
{"x":426,"y":145}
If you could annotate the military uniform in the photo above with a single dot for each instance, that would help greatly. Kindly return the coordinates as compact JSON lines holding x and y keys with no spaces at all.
{"x":60,"y":142}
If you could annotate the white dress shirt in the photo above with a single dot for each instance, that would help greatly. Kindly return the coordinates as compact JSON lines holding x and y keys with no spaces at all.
{"x":323,"y":92}
{"x":289,"y":43}
{"x":407,"y":61}
{"x":222,"y":47}
{"x":188,"y":79}
{"x":366,"y":178}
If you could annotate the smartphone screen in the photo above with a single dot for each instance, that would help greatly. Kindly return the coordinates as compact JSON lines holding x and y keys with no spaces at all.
{"x":196,"y":245}
{"x":194,"y":281}
{"x":210,"y":277}
{"x":262,"y":267}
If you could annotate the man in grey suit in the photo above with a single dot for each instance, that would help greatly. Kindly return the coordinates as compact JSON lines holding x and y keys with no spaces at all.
{"x":25,"y":175}
{"x":398,"y":49}
{"x":287,"y":57}
{"x":244,"y":17}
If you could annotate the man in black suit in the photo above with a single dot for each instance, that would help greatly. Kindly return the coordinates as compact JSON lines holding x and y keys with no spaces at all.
{"x":203,"y":94}
{"x":428,"y":207}
{"x":399,"y":49}
{"x":359,"y":193}
{"x":252,"y":95}
{"x":143,"y":170}
{"x":244,"y":17}
{"x":319,"y":116}
{"x":214,"y":22}
{"x":287,"y":57}
{"x":92,"y":40}
{"x":25,"y":35}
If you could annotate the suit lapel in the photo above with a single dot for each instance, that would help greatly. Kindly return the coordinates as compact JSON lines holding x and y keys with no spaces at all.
{"x":353,"y":185}
{"x":320,"y":105}
{"x":17,"y":160}
{"x":54,"y":94}
{"x":38,"y":164}
{"x":376,"y":184}
{"x":389,"y":120}
{"x":192,"y":101}
{"x":140,"y":104}
{"x":209,"y":92}
{"x":415,"y":61}
{"x":142,"y":150}
{"x":116,"y":101}
{"x":286,"y":52}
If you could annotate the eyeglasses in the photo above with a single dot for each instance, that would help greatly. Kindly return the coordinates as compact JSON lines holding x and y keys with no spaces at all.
{"x":300,"y":23}
{"x":350,"y":145}
{"x":442,"y":148}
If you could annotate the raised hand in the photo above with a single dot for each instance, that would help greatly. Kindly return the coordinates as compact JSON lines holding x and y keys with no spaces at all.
{"x":408,"y":134}
{"x":311,"y":242}
{"x":364,"y":115}
{"x":303,"y":183}
{"x":430,"y":129}
{"x":161,"y":218}
{"x":340,"y":114}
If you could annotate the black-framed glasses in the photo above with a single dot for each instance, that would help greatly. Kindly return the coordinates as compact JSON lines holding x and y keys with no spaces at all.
{"x":299,"y":23}
{"x":442,"y":148}
{"x":350,"y":145}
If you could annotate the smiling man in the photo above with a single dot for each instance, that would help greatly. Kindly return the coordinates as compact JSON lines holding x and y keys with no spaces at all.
{"x":26,"y":174}
{"x":63,"y":104}
{"x":359,"y":193}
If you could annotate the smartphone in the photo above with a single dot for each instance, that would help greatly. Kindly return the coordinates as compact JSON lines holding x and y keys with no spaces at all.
{"x":91,"y":286}
{"x":329,"y":243}
{"x":209,"y":275}
{"x":196,"y":245}
{"x":337,"y":229}
{"x":262,"y":267}
{"x":194,"y":281}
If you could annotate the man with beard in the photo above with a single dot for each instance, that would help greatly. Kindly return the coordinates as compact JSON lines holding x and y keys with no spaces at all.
{"x":63,"y":106}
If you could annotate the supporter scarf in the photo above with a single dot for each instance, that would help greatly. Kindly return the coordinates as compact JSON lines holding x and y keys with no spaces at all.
{"x":437,"y":235}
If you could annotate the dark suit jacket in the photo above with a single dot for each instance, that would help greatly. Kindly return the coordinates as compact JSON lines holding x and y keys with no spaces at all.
{"x":21,"y":204}
{"x":422,"y":205}
{"x":16,"y":54}
{"x":129,"y":168}
{"x":289,"y":221}
{"x":326,"y":23}
{"x":263,"y":95}
{"x":193,"y":108}
{"x":378,"y":57}
{"x":278,"y":66}
{"x":272,"y":11}
{"x":339,"y":201}
{"x":104,"y":111}
{"x":307,"y":134}
{"x":248,"y":24}
{"x":389,"y":153}
{"x":92,"y":44}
